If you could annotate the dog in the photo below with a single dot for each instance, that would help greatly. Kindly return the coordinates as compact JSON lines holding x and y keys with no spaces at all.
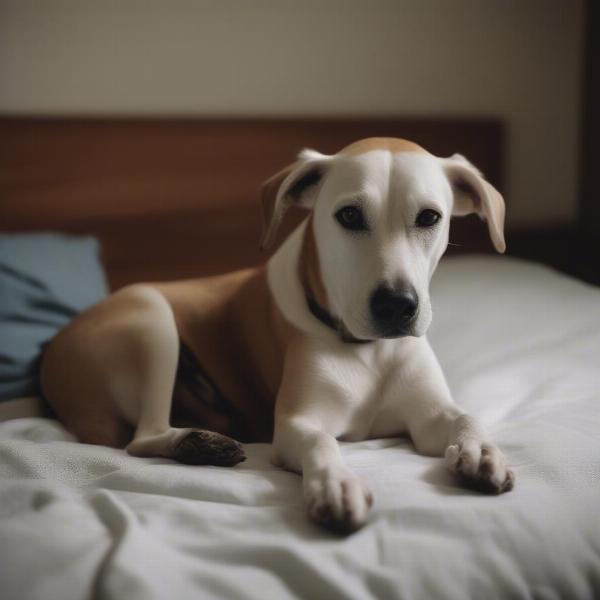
{"x":325,"y":342}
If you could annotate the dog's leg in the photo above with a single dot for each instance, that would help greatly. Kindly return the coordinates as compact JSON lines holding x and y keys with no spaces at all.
{"x":335,"y":497}
{"x":310,"y":406}
{"x":478,"y":461}
{"x":440,"y":428}
{"x":156,"y":355}
{"x":121,"y":368}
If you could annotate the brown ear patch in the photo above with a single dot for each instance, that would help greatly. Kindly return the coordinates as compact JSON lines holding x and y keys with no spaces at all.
{"x":300,"y":191}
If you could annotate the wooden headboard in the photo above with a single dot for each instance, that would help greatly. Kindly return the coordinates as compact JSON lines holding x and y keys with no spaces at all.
{"x":174,"y":198}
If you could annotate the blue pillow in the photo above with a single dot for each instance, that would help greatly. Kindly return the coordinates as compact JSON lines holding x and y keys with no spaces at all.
{"x":45,"y":280}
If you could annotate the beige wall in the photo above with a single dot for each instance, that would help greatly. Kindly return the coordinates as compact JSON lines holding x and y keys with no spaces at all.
{"x":518,"y":59}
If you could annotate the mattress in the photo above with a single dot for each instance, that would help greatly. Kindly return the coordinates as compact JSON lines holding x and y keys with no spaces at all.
{"x":520,"y":345}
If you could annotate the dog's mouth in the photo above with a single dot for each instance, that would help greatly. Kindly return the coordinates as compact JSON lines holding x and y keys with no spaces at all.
{"x":347,"y":336}
{"x":391,"y":334}
{"x":405,"y":330}
{"x":395,"y":334}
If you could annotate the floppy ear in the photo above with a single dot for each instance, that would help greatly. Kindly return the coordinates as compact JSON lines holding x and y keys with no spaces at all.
{"x":473,"y":194}
{"x":296,"y":185}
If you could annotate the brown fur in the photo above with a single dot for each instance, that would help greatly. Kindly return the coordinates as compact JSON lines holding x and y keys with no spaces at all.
{"x":394,"y":145}
{"x":237,"y":335}
{"x":309,"y":268}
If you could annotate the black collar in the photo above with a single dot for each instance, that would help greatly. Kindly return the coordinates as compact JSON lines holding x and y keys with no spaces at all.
{"x":323,"y":315}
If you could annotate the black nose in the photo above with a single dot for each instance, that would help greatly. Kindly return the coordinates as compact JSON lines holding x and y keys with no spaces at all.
{"x":393,"y":308}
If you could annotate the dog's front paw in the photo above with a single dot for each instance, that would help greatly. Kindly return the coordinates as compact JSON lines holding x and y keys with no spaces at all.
{"x":338,"y":501}
{"x":480,"y":466}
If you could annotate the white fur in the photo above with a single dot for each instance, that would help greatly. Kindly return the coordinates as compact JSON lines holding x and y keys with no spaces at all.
{"x":387,"y":387}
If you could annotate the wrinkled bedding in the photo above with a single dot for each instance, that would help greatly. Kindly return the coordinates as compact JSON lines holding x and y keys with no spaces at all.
{"x":520,"y":345}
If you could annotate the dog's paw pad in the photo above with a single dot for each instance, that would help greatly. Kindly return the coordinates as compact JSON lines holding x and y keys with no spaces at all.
{"x":481,"y":467}
{"x":339,"y":504}
{"x":208,"y":448}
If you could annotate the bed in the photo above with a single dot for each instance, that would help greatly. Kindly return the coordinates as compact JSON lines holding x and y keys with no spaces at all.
{"x":519,"y":343}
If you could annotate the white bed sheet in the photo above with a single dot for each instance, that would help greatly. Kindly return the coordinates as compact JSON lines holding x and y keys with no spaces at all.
{"x":521,"y":348}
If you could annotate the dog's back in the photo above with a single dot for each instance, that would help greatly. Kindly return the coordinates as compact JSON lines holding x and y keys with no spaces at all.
{"x":229,"y":336}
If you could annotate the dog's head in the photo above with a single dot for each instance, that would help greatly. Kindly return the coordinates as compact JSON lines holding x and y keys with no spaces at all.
{"x":380,"y":218}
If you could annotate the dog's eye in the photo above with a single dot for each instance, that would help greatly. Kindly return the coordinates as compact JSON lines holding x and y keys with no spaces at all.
{"x":351,"y":217}
{"x":428,"y":218}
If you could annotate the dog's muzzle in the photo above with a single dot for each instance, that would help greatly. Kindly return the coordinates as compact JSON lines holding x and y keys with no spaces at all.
{"x":394,"y":310}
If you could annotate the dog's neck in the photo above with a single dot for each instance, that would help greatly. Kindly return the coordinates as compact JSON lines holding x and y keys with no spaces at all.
{"x":295,"y":282}
{"x":327,"y":319}
{"x":321,"y":313}
{"x":286,"y":287}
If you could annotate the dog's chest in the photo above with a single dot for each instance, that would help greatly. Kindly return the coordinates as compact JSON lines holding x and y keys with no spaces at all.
{"x":372,"y":417}
{"x":364,"y":403}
